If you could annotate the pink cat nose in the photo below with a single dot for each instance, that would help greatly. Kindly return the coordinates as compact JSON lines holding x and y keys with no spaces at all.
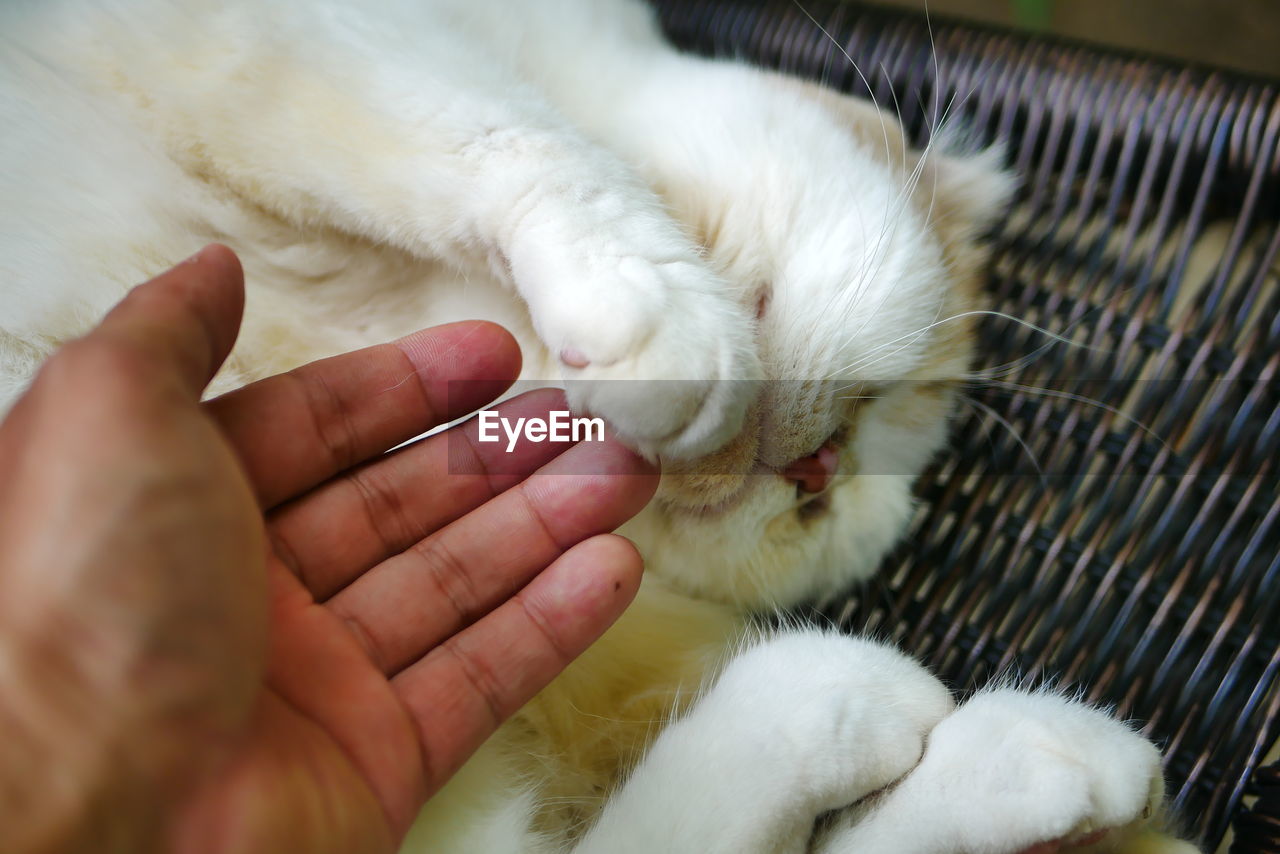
{"x":814,"y":472}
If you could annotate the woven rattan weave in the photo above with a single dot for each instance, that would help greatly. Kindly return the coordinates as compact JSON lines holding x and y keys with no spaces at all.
{"x":1108,"y":516}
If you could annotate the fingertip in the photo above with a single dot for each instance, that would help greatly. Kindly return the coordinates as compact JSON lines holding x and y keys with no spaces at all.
{"x":616,"y":551}
{"x":464,"y":365}
{"x":626,"y":566}
{"x":225,"y":266}
{"x":186,"y":319}
{"x":634,"y":462}
{"x":588,"y":588}
{"x":491,"y":341}
{"x":220,"y":289}
{"x":608,"y":456}
{"x":612,"y":460}
{"x":504,"y":343}
{"x":606,"y":485}
{"x":490,"y":351}
{"x":220,"y":257}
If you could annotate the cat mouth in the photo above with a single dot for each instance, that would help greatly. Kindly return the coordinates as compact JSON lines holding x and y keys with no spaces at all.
{"x":808,"y":506}
{"x":809,"y":503}
{"x":811,"y":476}
{"x":813,"y":473}
{"x":814,"y":508}
{"x":751,"y":483}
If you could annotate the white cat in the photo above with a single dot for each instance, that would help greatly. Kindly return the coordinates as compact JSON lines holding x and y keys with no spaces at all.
{"x":630,"y":214}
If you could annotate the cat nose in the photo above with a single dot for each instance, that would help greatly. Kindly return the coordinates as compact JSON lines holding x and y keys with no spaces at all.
{"x":814,"y":472}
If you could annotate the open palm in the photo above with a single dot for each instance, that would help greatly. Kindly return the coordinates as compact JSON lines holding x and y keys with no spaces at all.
{"x":413,"y":600}
{"x":374,"y":678}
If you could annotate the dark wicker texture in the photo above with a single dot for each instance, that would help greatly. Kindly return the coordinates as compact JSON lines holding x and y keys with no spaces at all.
{"x":1137,"y":557}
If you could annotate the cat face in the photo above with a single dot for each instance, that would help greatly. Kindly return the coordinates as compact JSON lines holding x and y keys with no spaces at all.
{"x":858,"y":258}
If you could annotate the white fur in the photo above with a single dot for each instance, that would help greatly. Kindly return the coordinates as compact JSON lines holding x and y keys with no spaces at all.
{"x":1007,"y":771}
{"x":556,"y":167}
{"x":749,"y":769}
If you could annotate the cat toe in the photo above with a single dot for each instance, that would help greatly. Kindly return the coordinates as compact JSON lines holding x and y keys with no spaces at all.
{"x":1012,"y":772}
{"x":680,"y":387}
{"x":841,"y":717}
{"x":1034,"y":773}
{"x":645,"y":334}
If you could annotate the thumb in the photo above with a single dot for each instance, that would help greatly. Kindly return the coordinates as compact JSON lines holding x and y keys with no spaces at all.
{"x":186,"y":319}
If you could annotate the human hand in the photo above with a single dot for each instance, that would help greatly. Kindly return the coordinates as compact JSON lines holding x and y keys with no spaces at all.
{"x":238,"y":626}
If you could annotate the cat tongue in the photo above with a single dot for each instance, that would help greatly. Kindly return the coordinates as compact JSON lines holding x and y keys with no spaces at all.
{"x":814,"y":472}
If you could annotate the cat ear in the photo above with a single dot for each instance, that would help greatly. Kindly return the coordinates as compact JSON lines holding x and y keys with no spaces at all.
{"x":963,"y":180}
{"x":969,"y":190}
{"x":876,"y":130}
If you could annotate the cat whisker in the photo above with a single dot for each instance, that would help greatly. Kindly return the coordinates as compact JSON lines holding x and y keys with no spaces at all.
{"x":898,"y":207}
{"x":866,"y":361}
{"x":884,"y":132}
{"x":909,"y":189}
{"x":1009,"y":368}
{"x":1013,"y":431}
{"x":1088,"y":401}
{"x":893,"y":212}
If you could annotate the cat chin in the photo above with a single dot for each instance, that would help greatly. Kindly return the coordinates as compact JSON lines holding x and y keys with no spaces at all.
{"x":697,"y":502}
{"x":763,"y":493}
{"x":763,"y":499}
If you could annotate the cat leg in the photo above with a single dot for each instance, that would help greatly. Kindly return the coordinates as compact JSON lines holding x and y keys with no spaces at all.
{"x":399,"y":126}
{"x":1017,"y":773}
{"x":482,"y":809}
{"x":646,"y":335}
{"x":795,"y":726}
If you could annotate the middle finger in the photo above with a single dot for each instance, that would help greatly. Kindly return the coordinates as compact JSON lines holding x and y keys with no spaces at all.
{"x":413,"y":601}
{"x":338,"y":531}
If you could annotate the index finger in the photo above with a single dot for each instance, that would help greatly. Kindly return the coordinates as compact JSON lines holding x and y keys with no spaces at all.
{"x":297,"y":429}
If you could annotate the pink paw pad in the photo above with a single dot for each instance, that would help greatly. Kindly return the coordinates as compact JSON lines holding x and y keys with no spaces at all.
{"x":574,"y":358}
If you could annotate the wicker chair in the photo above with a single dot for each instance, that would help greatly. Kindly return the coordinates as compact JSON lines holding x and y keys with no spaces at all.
{"x":1108,"y":518}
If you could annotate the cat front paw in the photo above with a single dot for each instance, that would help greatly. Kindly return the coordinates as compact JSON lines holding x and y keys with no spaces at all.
{"x":680,"y":385}
{"x":827,"y":718}
{"x":646,"y":335}
{"x":1045,"y":770}
{"x":1020,"y":773}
